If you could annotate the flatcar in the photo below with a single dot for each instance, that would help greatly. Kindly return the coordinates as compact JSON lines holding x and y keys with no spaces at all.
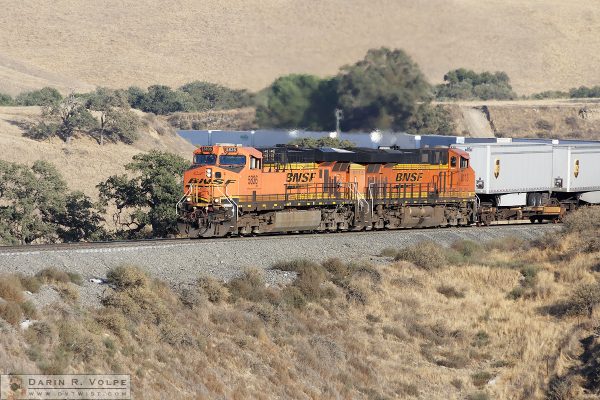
{"x":236,"y":190}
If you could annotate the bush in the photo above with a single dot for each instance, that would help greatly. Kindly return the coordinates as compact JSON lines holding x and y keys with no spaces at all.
{"x":5,"y":100}
{"x":126,"y":277}
{"x":30,"y":283}
{"x":467,"y":248}
{"x":389,"y":252}
{"x":481,"y":378}
{"x":544,"y":125}
{"x":426,"y":255}
{"x":469,"y":85}
{"x":10,"y":288}
{"x":214,"y":290}
{"x":431,"y":120}
{"x":583,"y":300}
{"x":53,"y":275}
{"x":11,"y":312}
{"x":250,"y":286}
{"x":44,"y":97}
{"x":310,"y":276}
{"x":450,"y":292}
{"x":42,"y":130}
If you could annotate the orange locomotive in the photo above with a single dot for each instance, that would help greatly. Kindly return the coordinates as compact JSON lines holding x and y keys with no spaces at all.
{"x":242,"y":190}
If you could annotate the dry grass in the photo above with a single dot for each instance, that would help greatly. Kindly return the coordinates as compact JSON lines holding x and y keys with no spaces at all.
{"x":250,"y":43}
{"x":83,"y":163}
{"x":341,"y":330}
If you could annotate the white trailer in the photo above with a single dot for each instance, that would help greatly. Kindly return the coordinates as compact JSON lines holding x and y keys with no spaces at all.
{"x":513,"y":174}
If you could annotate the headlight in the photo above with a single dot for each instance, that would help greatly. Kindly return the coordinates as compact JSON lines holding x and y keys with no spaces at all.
{"x":217,"y":200}
{"x":208,"y":172}
{"x":189,"y":198}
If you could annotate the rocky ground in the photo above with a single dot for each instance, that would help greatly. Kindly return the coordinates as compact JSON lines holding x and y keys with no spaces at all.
{"x":183,"y":262}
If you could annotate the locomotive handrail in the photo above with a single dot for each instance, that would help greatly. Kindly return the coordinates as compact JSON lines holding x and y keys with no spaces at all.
{"x":182,"y":199}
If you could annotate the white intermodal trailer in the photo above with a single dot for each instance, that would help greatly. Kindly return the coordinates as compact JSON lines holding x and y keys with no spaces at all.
{"x":511,"y":174}
{"x":576,"y":172}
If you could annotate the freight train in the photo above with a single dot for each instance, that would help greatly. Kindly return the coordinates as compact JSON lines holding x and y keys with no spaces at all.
{"x":236,"y":190}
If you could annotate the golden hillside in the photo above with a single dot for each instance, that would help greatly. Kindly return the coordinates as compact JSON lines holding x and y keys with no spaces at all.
{"x":72,"y":44}
{"x":83,"y":163}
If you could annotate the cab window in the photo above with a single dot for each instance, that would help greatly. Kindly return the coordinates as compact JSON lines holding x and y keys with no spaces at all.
{"x":232,"y":160}
{"x":255,"y":163}
{"x":205,"y":159}
{"x":464,"y":163}
{"x":453,"y":162}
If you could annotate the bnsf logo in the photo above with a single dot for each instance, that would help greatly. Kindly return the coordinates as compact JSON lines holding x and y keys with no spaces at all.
{"x":300,"y":177}
{"x":211,"y":182}
{"x":409,"y":177}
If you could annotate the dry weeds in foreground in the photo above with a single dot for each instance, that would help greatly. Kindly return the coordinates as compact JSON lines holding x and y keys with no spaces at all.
{"x":502,"y":321}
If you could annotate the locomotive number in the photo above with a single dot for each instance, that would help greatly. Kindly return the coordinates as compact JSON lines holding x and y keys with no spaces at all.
{"x":252,"y":179}
{"x":300,"y":177}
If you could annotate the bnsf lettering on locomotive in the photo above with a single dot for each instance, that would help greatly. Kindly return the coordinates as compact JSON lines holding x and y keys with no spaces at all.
{"x":409,"y":177}
{"x":210,"y":182}
{"x":300,"y":177}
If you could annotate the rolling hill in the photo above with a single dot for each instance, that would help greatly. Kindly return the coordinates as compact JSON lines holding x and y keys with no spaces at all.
{"x":74,"y":44}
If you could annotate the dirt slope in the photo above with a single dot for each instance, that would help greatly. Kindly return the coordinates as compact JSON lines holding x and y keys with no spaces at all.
{"x":83,"y":163}
{"x":246,"y":43}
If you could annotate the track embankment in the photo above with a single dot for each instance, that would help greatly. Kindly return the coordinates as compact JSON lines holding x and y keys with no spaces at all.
{"x":182,"y":261}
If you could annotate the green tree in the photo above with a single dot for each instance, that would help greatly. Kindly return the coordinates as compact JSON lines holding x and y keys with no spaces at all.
{"x":467,"y":85}
{"x":288,"y":101}
{"x":44,"y":97}
{"x":147,"y":198}
{"x":30,"y":200}
{"x":72,"y":116}
{"x":211,"y":96}
{"x":162,"y":100}
{"x":105,"y":101}
{"x":79,"y":220}
{"x":135,"y":97}
{"x":381,"y":91}
{"x":325,"y":141}
{"x":122,"y":125}
{"x":5,"y":100}
{"x":431,"y":120}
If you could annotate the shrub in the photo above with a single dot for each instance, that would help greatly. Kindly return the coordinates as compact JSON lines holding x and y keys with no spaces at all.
{"x":430,"y":120}
{"x":10,"y":288}
{"x":214,"y":290}
{"x":30,"y":283}
{"x":41,"y":130}
{"x":388,"y":252}
{"x":450,"y":292}
{"x":53,"y":275}
{"x":250,"y":286}
{"x":507,"y":244}
{"x":467,"y":248}
{"x":310,"y":276}
{"x":426,"y":255}
{"x":28,"y":309}
{"x":11,"y":312}
{"x":583,"y":300}
{"x":544,"y":125}
{"x":468,"y":85}
{"x":42,"y":97}
{"x":67,"y":292}
{"x":126,"y":276}
{"x":5,"y":99}
{"x":481,"y":378}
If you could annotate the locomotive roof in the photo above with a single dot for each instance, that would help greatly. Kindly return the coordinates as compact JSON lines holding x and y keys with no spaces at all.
{"x":359,"y":155}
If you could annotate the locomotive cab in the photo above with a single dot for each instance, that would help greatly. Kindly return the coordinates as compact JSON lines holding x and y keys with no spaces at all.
{"x":216,"y":174}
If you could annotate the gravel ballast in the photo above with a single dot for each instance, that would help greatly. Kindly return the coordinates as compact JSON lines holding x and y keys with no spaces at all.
{"x":225,"y":258}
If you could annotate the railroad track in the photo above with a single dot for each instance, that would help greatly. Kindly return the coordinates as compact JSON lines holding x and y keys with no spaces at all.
{"x":168,"y":242}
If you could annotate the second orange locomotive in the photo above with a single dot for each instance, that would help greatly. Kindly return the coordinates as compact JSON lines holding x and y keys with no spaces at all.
{"x":242,"y":190}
